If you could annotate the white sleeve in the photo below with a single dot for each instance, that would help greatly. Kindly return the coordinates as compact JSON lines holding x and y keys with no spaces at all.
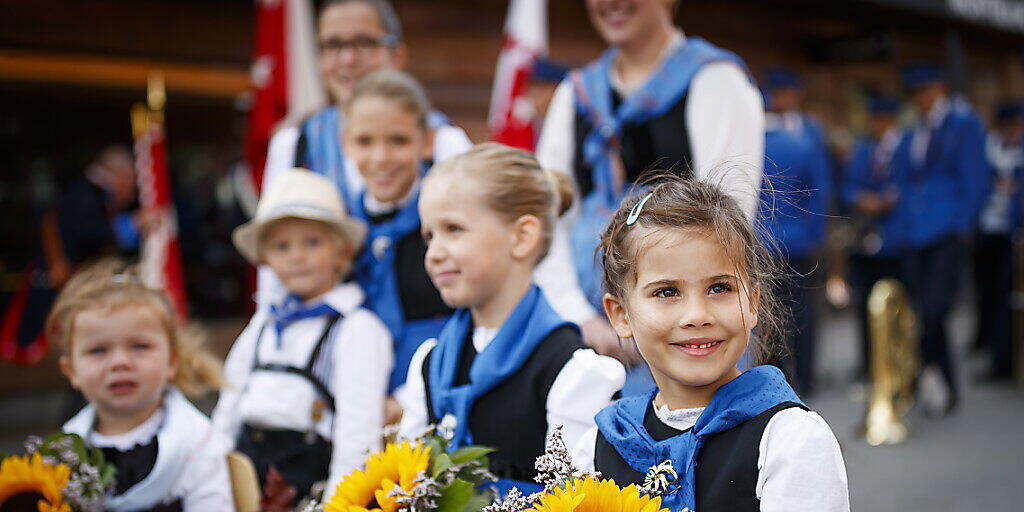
{"x":413,"y":395}
{"x":206,"y":482}
{"x":556,"y":145}
{"x":800,"y":467}
{"x":450,"y":140}
{"x":237,"y":367}
{"x":280,"y":153}
{"x":556,"y":273}
{"x":583,"y":452}
{"x":585,"y":385}
{"x":725,"y":121}
{"x":363,"y":358}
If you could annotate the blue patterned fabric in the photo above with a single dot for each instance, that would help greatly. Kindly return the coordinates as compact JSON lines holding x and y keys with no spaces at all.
{"x":622,"y":424}
{"x":375,"y":271}
{"x":529,"y":324}
{"x":663,"y":90}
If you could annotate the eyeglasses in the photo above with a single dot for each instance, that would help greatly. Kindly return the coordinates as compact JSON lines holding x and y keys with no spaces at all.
{"x":358,"y":45}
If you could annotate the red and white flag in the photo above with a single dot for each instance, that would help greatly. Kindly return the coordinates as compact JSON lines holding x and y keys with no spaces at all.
{"x":161,"y":254}
{"x":512,"y":116}
{"x":286,"y":83}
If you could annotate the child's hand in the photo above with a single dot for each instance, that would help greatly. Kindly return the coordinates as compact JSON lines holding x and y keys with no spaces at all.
{"x":392,"y":411}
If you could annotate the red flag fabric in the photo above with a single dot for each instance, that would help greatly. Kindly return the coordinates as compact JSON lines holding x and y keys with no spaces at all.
{"x":512,"y":116}
{"x":161,"y":255}
{"x":270,"y":84}
{"x":286,"y":83}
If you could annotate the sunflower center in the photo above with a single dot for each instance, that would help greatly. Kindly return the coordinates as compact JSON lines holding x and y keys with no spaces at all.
{"x":22,"y":502}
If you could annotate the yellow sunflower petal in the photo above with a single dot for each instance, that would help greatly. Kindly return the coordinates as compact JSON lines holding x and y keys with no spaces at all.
{"x":360,"y":489}
{"x":20,"y":475}
{"x":592,"y":495}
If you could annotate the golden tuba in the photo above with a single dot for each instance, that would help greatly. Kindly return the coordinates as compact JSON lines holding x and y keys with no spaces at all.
{"x":894,"y":362}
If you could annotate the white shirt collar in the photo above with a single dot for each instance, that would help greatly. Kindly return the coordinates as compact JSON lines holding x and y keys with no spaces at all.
{"x":679,"y":419}
{"x":375,"y":207}
{"x":482,"y":336}
{"x":344,"y":297}
{"x":137,"y":436}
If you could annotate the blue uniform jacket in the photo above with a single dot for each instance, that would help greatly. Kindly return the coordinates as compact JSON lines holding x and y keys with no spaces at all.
{"x":796,"y":191}
{"x":862,"y":176}
{"x":943,"y":193}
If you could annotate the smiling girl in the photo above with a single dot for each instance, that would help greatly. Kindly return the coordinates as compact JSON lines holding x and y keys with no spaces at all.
{"x":506,"y":369}
{"x":687,"y":279}
{"x":125,"y":350}
{"x":388,"y":138}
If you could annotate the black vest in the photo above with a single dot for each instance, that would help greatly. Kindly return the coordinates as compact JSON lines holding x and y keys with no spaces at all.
{"x":135,"y":465}
{"x":420,"y":299}
{"x":727,"y":471}
{"x":660,"y":143}
{"x":512,"y":416}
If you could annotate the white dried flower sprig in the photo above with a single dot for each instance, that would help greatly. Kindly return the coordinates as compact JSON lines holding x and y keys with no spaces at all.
{"x":554,"y":468}
{"x":423,"y":498}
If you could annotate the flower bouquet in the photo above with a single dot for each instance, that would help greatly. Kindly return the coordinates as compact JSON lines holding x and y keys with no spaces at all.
{"x":415,"y":476}
{"x":567,"y":489}
{"x":58,"y":473}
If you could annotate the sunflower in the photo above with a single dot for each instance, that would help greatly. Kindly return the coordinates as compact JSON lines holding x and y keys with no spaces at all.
{"x":364,"y":491}
{"x":23,"y":479}
{"x":593,"y":495}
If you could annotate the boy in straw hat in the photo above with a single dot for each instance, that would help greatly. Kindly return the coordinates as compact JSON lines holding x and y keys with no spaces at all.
{"x":308,"y":375}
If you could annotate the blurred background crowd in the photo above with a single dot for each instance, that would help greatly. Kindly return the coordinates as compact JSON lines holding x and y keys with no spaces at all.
{"x":852,"y":91}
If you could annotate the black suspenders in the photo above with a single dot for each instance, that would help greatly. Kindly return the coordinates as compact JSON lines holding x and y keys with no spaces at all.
{"x":301,"y":152}
{"x":307,"y":372}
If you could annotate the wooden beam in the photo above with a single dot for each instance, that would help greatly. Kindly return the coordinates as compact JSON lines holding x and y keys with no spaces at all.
{"x":125,"y":73}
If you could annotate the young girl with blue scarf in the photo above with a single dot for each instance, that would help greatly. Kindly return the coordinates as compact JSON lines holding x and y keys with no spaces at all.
{"x":506,"y":369}
{"x":387,"y":136}
{"x":655,"y":99}
{"x":687,"y":279}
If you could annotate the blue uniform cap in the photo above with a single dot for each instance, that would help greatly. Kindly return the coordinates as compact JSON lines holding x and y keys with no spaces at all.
{"x":781,"y":78}
{"x":921,"y":73}
{"x":882,"y":105}
{"x":1008,"y":112}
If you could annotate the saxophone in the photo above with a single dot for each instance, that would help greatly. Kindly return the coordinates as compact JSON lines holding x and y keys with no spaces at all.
{"x":895,"y":362}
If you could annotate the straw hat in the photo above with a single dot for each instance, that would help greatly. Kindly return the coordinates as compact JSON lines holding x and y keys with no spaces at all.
{"x":298,"y":194}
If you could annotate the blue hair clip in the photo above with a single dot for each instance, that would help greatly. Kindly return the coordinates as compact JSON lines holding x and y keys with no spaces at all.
{"x":634,"y":214}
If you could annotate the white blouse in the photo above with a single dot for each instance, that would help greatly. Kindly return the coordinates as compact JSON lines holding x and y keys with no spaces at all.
{"x":204,"y":483}
{"x":583,"y":387}
{"x":800,"y":466}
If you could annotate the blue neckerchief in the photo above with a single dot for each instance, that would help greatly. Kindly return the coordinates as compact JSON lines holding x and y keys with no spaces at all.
{"x":375,"y":266}
{"x":323,"y":148}
{"x":323,"y":153}
{"x":529,"y":324}
{"x":291,"y":309}
{"x":622,"y":424}
{"x":663,"y":90}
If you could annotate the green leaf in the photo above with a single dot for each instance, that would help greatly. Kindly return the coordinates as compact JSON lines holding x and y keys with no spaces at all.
{"x":440,"y":464}
{"x":469,"y":453}
{"x":455,"y":496}
{"x":477,"y":502}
